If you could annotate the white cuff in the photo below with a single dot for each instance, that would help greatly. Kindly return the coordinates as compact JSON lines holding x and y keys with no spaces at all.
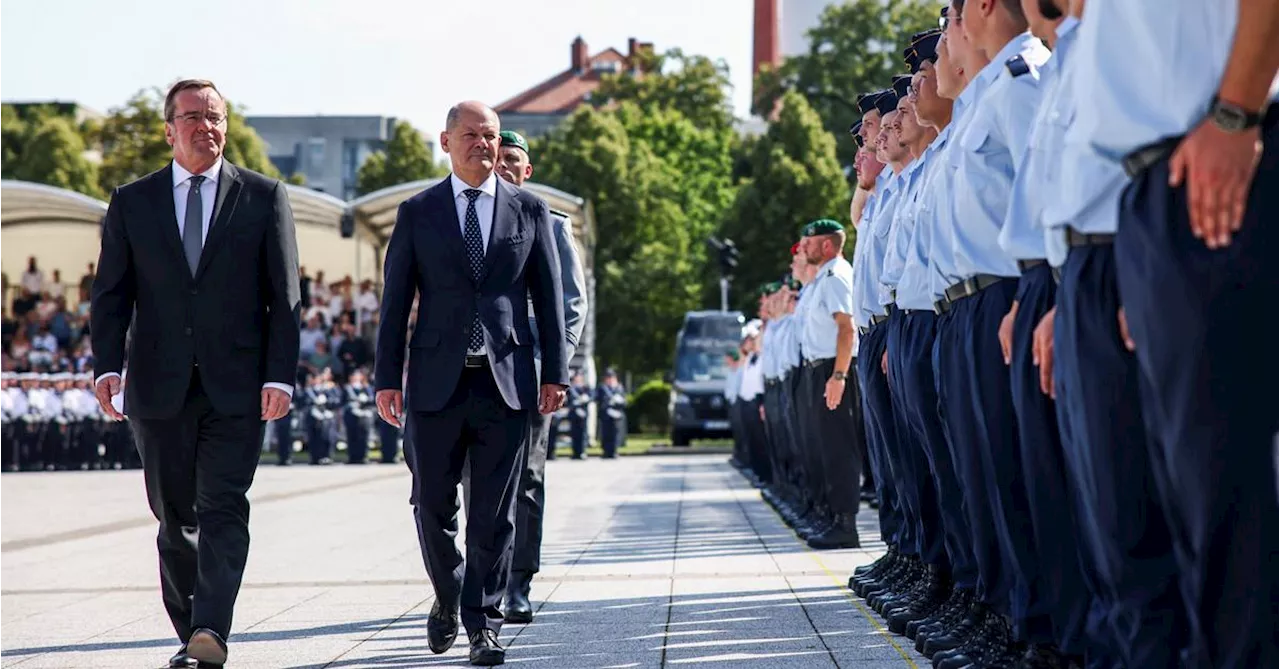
{"x":288,"y":389}
{"x":100,"y":378}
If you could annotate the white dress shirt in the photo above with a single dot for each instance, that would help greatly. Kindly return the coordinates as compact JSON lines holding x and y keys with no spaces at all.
{"x":208,"y":198}
{"x":484,"y":210}
{"x":752,"y":379}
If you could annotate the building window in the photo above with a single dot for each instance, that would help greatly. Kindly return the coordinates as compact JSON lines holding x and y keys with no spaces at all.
{"x":607,"y":66}
{"x":315,"y":156}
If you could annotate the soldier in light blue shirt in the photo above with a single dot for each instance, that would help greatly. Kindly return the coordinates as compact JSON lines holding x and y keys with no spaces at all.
{"x":814,"y":514}
{"x":826,"y":342}
{"x":1061,"y":587}
{"x":1189,"y":112}
{"x":911,"y":341}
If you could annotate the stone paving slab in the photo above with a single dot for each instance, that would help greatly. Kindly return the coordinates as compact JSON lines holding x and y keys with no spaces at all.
{"x":647,"y":562}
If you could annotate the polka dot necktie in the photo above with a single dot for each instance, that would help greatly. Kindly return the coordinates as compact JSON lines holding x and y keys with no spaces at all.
{"x":475,"y":253}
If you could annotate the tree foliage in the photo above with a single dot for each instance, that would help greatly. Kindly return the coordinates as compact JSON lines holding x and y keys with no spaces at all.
{"x":855,"y":48}
{"x":46,"y":147}
{"x":406,"y":158}
{"x":793,"y":178}
{"x":656,"y":162}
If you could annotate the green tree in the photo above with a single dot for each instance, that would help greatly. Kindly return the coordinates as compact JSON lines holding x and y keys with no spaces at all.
{"x":54,"y":154}
{"x":244,"y":147}
{"x":855,"y":48}
{"x":13,"y":132}
{"x":406,"y":158}
{"x":793,"y":178}
{"x":695,"y":86}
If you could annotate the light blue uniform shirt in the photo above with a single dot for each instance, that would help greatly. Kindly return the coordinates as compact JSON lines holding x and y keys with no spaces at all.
{"x":1038,"y":179}
{"x":942,"y":272}
{"x":989,"y":146}
{"x":877,"y":231}
{"x":766,"y":349}
{"x":784,"y":345}
{"x":913,"y":286}
{"x":733,"y":383}
{"x":861,"y":246}
{"x":831,"y":294}
{"x":904,"y":224}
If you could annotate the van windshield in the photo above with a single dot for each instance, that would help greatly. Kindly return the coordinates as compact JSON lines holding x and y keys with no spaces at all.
{"x":703,"y":358}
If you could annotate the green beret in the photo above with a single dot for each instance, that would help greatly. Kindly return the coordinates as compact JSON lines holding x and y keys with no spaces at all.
{"x":513,"y":138}
{"x":823,"y":226}
{"x":735,"y":354}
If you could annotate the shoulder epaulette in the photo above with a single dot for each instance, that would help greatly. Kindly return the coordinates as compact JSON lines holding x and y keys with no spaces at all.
{"x":1017,"y":66}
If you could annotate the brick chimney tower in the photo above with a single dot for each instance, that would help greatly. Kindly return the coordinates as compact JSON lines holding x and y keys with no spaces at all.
{"x":764,"y":46}
{"x":578,"y":56}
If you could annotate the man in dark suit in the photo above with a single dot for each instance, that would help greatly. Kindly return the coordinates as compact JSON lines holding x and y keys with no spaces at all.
{"x":479,"y":251}
{"x":199,"y":265}
{"x":515,"y":166}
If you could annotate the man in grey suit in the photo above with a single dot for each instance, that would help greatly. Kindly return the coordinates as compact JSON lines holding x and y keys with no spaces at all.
{"x":515,"y":166}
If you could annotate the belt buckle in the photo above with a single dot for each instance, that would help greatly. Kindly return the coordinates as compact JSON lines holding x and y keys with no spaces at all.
{"x":473,"y":362}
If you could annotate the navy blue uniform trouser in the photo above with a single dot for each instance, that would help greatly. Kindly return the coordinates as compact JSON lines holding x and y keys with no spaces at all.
{"x":1109,"y":463}
{"x":810,"y":437}
{"x":881,"y":431}
{"x":834,"y":431}
{"x":920,"y":399}
{"x":918,"y":478}
{"x":1205,"y":328}
{"x":1058,"y":587}
{"x":357,"y":437}
{"x":792,"y":415}
{"x":968,"y":449}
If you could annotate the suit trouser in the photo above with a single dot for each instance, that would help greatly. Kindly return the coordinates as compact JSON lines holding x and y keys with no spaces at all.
{"x":881,"y":431}
{"x":1109,"y":465}
{"x":920,"y":490}
{"x":920,"y":401}
{"x":532,"y":499}
{"x":1205,"y":328}
{"x":198,"y":466}
{"x":1058,"y":586}
{"x":838,"y":450}
{"x":955,"y":409}
{"x":475,"y":427}
{"x":811,"y":438}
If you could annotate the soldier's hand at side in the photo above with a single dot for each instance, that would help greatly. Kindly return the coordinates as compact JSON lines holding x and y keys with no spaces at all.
{"x":884,"y":363}
{"x":1217,"y":167}
{"x":390,"y":406}
{"x":1006,"y":333}
{"x":834,"y":392}
{"x":1124,"y":330}
{"x":1042,"y":352}
{"x":104,"y":391}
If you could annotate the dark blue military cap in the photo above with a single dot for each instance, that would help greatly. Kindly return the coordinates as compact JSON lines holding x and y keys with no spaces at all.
{"x":855,"y":128}
{"x":901,"y":85}
{"x":867,"y":101}
{"x":887,"y":102}
{"x":924,"y":47}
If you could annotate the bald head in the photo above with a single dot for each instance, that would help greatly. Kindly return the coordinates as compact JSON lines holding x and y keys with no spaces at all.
{"x":471,"y":139}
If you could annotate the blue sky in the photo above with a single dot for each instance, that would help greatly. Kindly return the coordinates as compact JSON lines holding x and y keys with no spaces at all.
{"x":409,"y":59}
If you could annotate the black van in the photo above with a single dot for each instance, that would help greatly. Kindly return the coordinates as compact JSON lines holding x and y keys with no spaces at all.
{"x":698,"y":406}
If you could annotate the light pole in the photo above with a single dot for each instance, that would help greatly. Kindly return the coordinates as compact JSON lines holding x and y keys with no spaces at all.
{"x":727,"y":254}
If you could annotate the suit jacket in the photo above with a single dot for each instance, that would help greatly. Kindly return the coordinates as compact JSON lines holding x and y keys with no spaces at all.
{"x":238,"y":318}
{"x":574,"y":284}
{"x":426,"y":254}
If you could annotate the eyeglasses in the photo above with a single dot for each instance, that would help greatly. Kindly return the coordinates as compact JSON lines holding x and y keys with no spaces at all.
{"x":944,"y":21}
{"x":192,"y":118}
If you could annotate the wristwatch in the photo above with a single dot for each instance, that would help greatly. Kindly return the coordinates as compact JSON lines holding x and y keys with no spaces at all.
{"x":1232,"y":118}
{"x":839,"y":376}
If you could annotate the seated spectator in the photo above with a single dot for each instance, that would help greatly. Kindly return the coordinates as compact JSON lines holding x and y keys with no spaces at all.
{"x":55,"y":289}
{"x":311,"y":333}
{"x":33,"y":278}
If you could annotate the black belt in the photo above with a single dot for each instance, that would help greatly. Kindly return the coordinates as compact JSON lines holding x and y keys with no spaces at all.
{"x":1142,"y":159}
{"x":1024,"y":265}
{"x":1078,"y":239}
{"x":819,"y":361}
{"x":476,"y":361}
{"x":941,"y":306}
{"x":878,"y":319}
{"x":769,"y":383}
{"x":971,"y":286}
{"x":863,"y":330}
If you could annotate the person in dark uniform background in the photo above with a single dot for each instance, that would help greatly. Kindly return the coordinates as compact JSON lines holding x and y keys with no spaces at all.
{"x":579,"y":402}
{"x":357,"y":412}
{"x":611,"y":398}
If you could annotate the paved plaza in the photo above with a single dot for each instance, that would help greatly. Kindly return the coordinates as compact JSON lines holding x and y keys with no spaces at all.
{"x":648,"y":562}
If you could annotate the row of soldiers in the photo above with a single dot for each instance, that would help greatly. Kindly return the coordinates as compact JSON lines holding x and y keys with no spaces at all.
{"x":1063,"y":392}
{"x":53,"y":422}
{"x":1062,"y":287}
{"x":795,"y":414}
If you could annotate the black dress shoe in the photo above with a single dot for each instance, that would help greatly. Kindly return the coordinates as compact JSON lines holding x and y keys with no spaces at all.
{"x":442,"y":628}
{"x":485,"y":651}
{"x":519,"y":611}
{"x":208,"y":647}
{"x":181,"y":660}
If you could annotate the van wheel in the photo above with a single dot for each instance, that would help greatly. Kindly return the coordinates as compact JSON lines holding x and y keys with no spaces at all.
{"x":679,"y":438}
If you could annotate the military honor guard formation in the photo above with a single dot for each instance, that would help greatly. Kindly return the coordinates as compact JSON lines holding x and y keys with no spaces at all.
{"x":1062,"y":292}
